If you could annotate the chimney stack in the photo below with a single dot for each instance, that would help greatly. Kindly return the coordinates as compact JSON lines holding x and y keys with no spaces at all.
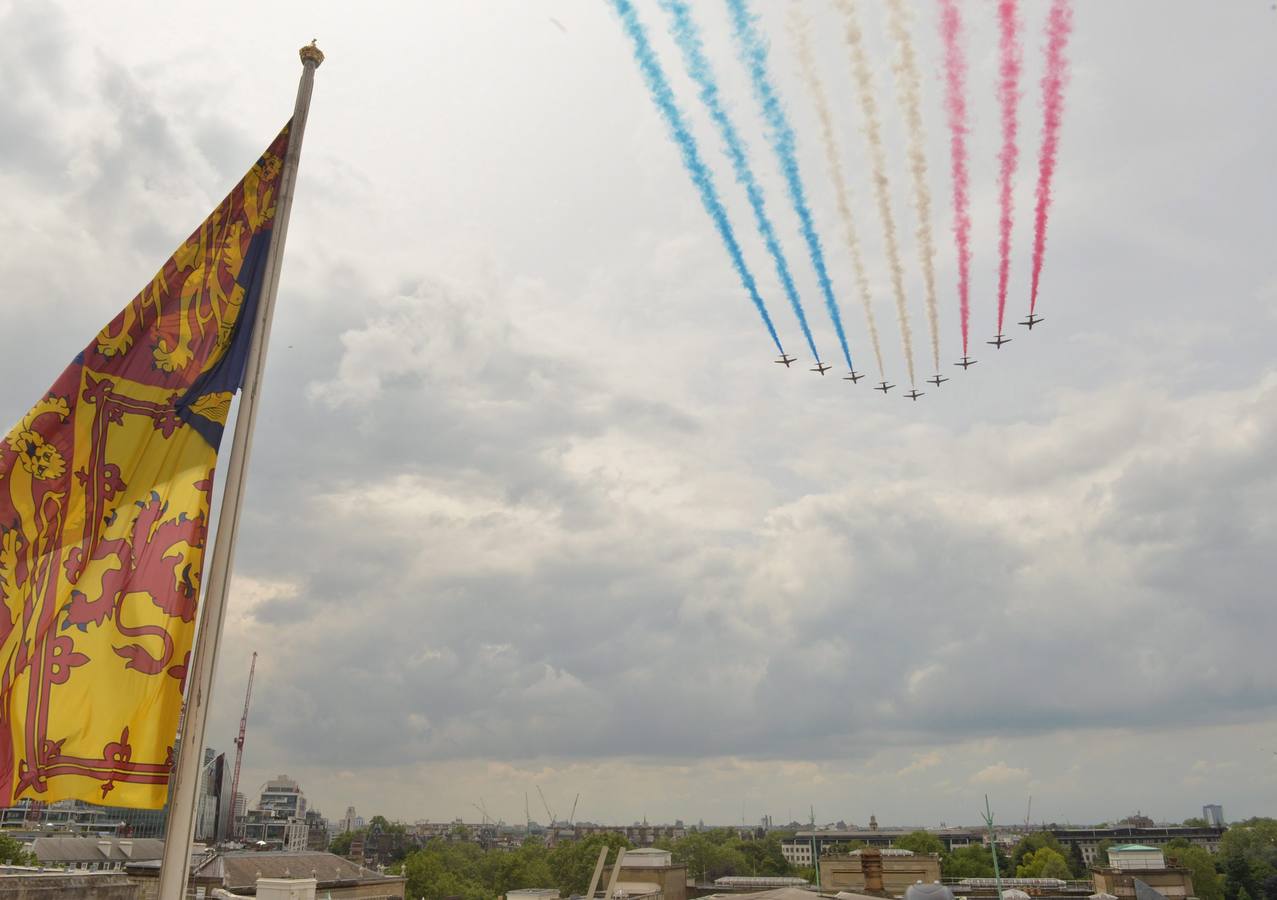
{"x":871,"y":868}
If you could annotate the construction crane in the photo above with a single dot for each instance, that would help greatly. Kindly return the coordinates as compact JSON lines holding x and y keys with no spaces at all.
{"x":239,"y":744}
{"x":553,"y":833}
{"x":482,"y":807}
{"x":547,"y":806}
{"x":572,"y":815}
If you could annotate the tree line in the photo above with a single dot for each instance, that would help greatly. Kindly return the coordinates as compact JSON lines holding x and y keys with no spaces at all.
{"x":1244,"y":869}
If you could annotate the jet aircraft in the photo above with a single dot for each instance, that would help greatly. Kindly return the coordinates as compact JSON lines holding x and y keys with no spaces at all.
{"x":853,"y":376}
{"x":938,"y":380}
{"x":914,"y":395}
{"x":884,"y":387}
{"x":785,"y":360}
{"x":821,"y":367}
{"x":999,"y":341}
{"x":1032,"y":320}
{"x":967,"y":362}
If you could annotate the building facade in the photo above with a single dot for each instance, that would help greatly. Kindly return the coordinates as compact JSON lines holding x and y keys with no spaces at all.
{"x":349,"y":822}
{"x":318,"y":833}
{"x":1088,"y":839}
{"x":807,"y":845}
{"x":78,"y":817}
{"x":283,"y":796}
{"x":1213,"y":813}
{"x":275,"y":831}
{"x":279,"y":822}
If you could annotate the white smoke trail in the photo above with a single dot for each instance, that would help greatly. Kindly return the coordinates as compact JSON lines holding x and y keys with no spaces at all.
{"x":910,"y":90}
{"x":873,"y":134}
{"x":799,"y":28}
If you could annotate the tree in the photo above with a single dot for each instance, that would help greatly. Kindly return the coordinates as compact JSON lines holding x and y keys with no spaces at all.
{"x":777,"y":863}
{"x":1248,"y":853}
{"x":1044,"y":863}
{"x":431,"y":877}
{"x":973,"y":861}
{"x":1077,"y":862}
{"x":340,"y":845}
{"x":1238,"y":877}
{"x":1032,"y":843}
{"x":711,"y":854}
{"x":920,"y":842}
{"x":572,"y":864}
{"x":13,"y":853}
{"x":1195,"y":822}
{"x":1207,"y":883}
{"x":1102,"y":852}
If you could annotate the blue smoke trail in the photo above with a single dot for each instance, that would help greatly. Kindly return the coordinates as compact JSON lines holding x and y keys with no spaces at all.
{"x":689,"y":42}
{"x":753,"y":53}
{"x":659,"y":87}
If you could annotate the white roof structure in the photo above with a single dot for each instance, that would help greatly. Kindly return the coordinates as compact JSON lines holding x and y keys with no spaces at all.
{"x":647,"y":857}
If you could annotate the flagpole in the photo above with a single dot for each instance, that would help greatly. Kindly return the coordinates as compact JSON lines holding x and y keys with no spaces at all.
{"x":180,"y":828}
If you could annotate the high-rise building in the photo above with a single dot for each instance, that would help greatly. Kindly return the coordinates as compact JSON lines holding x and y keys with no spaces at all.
{"x":349,"y":822}
{"x":283,"y":796}
{"x":280,"y":817}
{"x":1213,"y":813}
{"x":213,"y":802}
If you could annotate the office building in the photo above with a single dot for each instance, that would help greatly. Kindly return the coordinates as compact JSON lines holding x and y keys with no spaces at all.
{"x":1088,"y":839}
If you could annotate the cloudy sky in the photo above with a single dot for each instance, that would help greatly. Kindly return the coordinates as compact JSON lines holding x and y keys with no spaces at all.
{"x":531,"y":505}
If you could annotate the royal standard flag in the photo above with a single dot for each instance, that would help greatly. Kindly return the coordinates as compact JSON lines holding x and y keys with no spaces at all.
{"x":105,"y":486}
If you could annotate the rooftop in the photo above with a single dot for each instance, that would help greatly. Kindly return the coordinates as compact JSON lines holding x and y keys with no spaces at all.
{"x":240,"y":869}
{"x":65,"y":848}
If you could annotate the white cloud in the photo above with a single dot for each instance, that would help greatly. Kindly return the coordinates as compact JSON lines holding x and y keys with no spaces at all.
{"x":999,"y":773}
{"x":921,"y":762}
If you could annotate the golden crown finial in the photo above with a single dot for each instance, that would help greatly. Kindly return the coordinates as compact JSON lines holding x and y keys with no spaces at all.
{"x":311,"y":53}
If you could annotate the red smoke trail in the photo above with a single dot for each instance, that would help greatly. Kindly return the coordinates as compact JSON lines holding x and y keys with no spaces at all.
{"x":955,"y":69}
{"x":1009,"y":94}
{"x":1059,"y":24}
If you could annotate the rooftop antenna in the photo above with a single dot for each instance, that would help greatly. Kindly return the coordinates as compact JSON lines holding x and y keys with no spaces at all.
{"x":993,"y":846}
